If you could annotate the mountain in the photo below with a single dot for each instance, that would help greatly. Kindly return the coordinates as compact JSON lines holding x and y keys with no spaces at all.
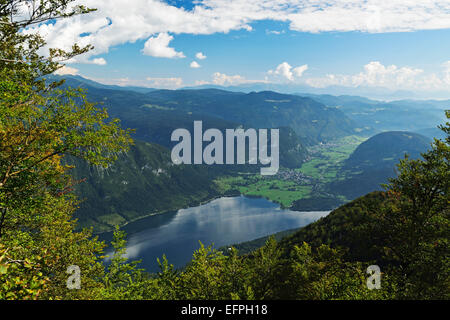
{"x":129,"y":190}
{"x":432,"y":133}
{"x":373,"y":162}
{"x":377,"y":93}
{"x":375,"y":116}
{"x":312,"y":121}
{"x":344,"y":227}
{"x":156,"y":113}
{"x":386,"y":149}
{"x":78,"y":81}
{"x":141,"y":182}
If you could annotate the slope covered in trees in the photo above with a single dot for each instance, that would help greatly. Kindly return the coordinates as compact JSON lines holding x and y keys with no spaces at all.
{"x":142,"y":181}
{"x":373,"y":162}
{"x":386,"y":149}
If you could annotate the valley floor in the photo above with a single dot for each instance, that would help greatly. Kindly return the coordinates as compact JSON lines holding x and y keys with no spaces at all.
{"x":324,"y":165}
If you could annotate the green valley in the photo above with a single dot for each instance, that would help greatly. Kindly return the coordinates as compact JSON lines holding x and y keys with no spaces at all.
{"x":323,"y":165}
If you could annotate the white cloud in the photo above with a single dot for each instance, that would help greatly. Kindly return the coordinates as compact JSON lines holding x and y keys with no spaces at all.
{"x":194,"y":65}
{"x":275,"y":32}
{"x":285,"y":71}
{"x":223,"y":79}
{"x":298,"y":72}
{"x":446,"y":71}
{"x":98,"y":61}
{"x":129,"y":21}
{"x":167,"y":83}
{"x":65,"y":70}
{"x":200,"y":56}
{"x":159,"y":47}
{"x":201,"y":82}
{"x":375,"y":74}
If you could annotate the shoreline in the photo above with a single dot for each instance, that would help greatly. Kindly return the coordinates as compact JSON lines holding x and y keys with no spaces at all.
{"x":158,"y":213}
{"x":200,"y":204}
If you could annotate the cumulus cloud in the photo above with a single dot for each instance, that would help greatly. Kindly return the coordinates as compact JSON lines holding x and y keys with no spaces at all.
{"x":166,"y":83}
{"x":65,"y":70}
{"x":194,"y":65}
{"x":298,"y":72}
{"x":98,"y":61}
{"x":223,"y":79}
{"x":200,"y":56}
{"x":446,"y":71}
{"x":159,"y":47}
{"x":286,"y":71}
{"x":126,"y":21}
{"x":375,"y":74}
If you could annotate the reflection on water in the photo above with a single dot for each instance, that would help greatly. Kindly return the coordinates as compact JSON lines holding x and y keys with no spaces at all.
{"x":220,"y":222}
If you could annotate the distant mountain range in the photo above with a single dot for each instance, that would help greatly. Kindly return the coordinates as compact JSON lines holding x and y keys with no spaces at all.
{"x":404,"y":115}
{"x":157,"y":113}
{"x":375,"y":93}
{"x":78,"y":81}
{"x":370,"y":115}
{"x":378,"y":93}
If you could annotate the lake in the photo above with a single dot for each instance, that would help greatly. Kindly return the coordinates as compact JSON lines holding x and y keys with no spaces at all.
{"x":221,"y":222}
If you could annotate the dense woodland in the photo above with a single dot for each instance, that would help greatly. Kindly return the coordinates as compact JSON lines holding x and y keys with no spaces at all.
{"x":404,"y":230}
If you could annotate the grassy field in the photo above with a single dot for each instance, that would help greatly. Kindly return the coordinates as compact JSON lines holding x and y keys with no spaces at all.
{"x":327,"y":159}
{"x":277,"y":190}
{"x":324,"y":166}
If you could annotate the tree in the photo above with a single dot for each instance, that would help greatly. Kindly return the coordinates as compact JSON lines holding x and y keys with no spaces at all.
{"x":124,"y":280}
{"x":264,"y":266}
{"x":201,"y":279}
{"x":415,"y":227}
{"x":323,"y":274}
{"x":40,"y":123}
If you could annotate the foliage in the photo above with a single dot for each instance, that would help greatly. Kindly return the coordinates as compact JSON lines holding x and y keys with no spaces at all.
{"x":374,"y":161}
{"x":39,"y":124}
{"x":20,"y":279}
{"x":416,"y":230}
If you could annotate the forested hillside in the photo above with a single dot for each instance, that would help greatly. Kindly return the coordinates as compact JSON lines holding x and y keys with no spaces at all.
{"x":373,"y":162}
{"x":156,"y":114}
{"x":142,"y":181}
{"x":386,"y":149}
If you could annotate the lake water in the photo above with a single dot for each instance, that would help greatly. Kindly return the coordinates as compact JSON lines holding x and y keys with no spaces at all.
{"x":221,"y":222}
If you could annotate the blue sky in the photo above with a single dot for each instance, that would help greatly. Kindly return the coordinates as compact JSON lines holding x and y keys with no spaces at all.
{"x":395,"y":44}
{"x":253,"y":53}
